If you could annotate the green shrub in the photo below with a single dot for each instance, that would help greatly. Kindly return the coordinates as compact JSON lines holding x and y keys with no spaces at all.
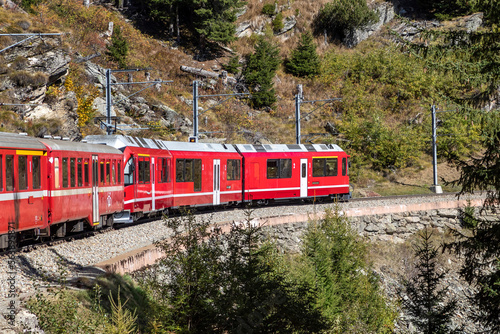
{"x":233,"y":65}
{"x":340,"y":15}
{"x":268,"y":9}
{"x":278,"y":22}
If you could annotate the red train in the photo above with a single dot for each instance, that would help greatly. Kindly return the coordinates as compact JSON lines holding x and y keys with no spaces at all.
{"x":50,"y":187}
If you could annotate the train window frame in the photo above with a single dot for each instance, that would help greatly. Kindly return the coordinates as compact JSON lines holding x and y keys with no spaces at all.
{"x":119,"y":172}
{"x":113,"y":171}
{"x":144,"y":170}
{"x":57,"y":172}
{"x":65,"y":180}
{"x":189,"y":170}
{"x":108,"y":171}
{"x":129,"y":172}
{"x":36,"y":174}
{"x":282,"y":170}
{"x":86,"y":172}
{"x":79,"y":172}
{"x":9,"y":184}
{"x":72,"y":173}
{"x":22,"y":174}
{"x":344,"y":166}
{"x":163,"y":175}
{"x":233,"y":169}
{"x":102,"y":177}
{"x":325,"y":167}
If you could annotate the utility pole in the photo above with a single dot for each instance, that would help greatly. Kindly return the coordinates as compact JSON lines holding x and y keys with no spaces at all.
{"x":298,"y":101}
{"x":435,"y":187}
{"x":109,"y":99}
{"x":197,"y":114}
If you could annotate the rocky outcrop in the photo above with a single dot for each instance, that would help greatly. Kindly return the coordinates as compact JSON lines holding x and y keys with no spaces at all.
{"x":353,"y":37}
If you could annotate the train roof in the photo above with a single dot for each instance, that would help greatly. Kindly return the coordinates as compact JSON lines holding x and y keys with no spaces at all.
{"x":120,"y":142}
{"x":63,"y":145}
{"x":21,"y":141}
{"x":248,"y":148}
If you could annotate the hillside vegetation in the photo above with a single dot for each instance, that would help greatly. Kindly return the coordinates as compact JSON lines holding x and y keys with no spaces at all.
{"x":386,"y":85}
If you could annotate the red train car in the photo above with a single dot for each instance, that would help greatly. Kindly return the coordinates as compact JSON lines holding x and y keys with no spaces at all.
{"x":23,"y":185}
{"x":294,"y":171}
{"x":162,"y":174}
{"x":48,"y":187}
{"x":85,"y":184}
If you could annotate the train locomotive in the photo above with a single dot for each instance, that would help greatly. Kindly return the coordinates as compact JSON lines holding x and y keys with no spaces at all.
{"x":51,"y":187}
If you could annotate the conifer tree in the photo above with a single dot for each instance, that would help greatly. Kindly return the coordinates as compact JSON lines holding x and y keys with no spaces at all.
{"x":348,"y":295}
{"x":118,"y":49}
{"x":472,"y":60}
{"x":426,"y":302}
{"x":259,"y":71}
{"x":304,"y":61}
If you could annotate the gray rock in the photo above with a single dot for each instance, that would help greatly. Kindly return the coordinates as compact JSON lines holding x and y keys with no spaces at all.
{"x":353,"y":37}
{"x":288,"y":24}
{"x":474,"y":22}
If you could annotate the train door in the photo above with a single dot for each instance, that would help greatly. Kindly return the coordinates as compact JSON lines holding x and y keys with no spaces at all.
{"x":153,"y":175}
{"x":216,"y":182}
{"x":95,"y":189}
{"x":303,"y":177}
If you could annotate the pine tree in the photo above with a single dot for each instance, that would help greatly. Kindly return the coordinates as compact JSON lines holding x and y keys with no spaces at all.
{"x":304,"y":61}
{"x":259,"y":71}
{"x":472,"y":59}
{"x":426,"y":302}
{"x":334,"y":262}
{"x":118,"y":49}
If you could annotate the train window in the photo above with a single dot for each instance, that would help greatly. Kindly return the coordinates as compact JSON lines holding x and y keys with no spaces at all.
{"x":344,"y":166}
{"x":285,"y":168}
{"x":279,"y":168}
{"x":163,"y":167}
{"x":86,"y":172}
{"x":128,"y":172}
{"x":103,"y":177}
{"x":36,"y":172}
{"x":113,"y":172}
{"x":9,"y":173}
{"x":65,"y":172}
{"x":233,"y":169}
{"x":79,"y":172}
{"x":22,"y":166}
{"x":72,"y":168}
{"x":119,"y":170}
{"x":197,"y":175}
{"x":331,"y":167}
{"x":179,"y":170}
{"x":272,"y":168}
{"x":144,"y":170}
{"x":325,"y":167}
{"x":56,"y":173}
{"x":189,"y":170}
{"x":108,"y":171}
{"x":1,"y":173}
{"x":318,"y":167}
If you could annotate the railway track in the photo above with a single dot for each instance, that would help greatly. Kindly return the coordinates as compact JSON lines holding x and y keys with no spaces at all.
{"x":31,"y":245}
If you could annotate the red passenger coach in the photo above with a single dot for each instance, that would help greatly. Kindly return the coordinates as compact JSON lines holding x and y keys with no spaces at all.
{"x":163,"y":174}
{"x":50,"y":187}
{"x":23,"y":195}
{"x":294,"y":171}
{"x":85,"y":184}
